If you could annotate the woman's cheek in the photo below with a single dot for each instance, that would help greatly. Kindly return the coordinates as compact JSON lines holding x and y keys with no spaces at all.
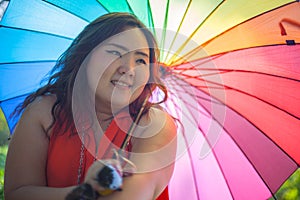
{"x":142,"y":74}
{"x":141,"y":80}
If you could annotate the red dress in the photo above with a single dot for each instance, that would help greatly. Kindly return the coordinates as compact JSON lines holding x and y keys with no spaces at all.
{"x":64,"y":154}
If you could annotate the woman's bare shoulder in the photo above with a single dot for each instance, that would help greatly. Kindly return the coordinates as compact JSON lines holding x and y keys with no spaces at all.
{"x":39,"y":111}
{"x":160,"y":118}
{"x":158,"y":126}
{"x":43,"y":101}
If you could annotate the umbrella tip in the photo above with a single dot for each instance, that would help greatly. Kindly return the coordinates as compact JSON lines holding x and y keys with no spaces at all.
{"x":164,"y":70}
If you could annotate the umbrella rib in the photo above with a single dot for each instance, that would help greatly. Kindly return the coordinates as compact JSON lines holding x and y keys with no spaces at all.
{"x":183,"y":101}
{"x":98,"y":1}
{"x":261,"y":73}
{"x":210,"y":145}
{"x":245,"y":48}
{"x":204,"y":60}
{"x":197,"y":96}
{"x":190,"y":105}
{"x":215,"y":72}
{"x":192,"y":167}
{"x":198,"y":78}
{"x":223,"y":71}
{"x":215,"y":83}
{"x":179,"y":27}
{"x":35,"y":31}
{"x":195,"y":67}
{"x":188,"y":117}
{"x":216,"y":157}
{"x":257,"y":129}
{"x":194,"y":95}
{"x":150,"y":17}
{"x":15,"y":97}
{"x":194,"y":32}
{"x":80,"y":17}
{"x":130,"y":9}
{"x":204,"y":86}
{"x":189,"y":54}
{"x":35,"y":61}
{"x":270,"y":139}
{"x":188,"y":149}
{"x":162,"y":42}
{"x":266,"y":103}
{"x":189,"y":153}
{"x":245,"y":93}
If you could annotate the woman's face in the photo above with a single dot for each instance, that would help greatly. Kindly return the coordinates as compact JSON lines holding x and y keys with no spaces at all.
{"x":118,"y":70}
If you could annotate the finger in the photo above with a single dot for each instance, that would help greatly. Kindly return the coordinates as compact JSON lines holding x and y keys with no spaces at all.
{"x":115,"y":164}
{"x":110,"y":178}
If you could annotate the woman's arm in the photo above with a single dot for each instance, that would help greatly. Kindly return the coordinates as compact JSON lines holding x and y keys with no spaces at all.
{"x":25,"y":170}
{"x":154,"y":147}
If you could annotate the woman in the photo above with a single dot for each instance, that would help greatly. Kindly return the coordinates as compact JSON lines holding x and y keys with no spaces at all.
{"x":98,"y":91}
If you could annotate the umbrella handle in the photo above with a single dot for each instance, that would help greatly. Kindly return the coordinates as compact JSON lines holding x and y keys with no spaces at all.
{"x":134,"y":124}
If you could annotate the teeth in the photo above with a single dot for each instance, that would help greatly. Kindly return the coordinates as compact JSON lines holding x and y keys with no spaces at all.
{"x":120,"y":83}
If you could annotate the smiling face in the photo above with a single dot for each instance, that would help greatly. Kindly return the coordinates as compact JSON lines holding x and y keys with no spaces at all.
{"x":118,"y":70}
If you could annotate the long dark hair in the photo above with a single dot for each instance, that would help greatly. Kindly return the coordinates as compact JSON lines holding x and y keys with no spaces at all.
{"x":63,"y":75}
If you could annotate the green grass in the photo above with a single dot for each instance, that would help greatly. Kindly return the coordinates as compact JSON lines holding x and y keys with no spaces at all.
{"x":3,"y":151}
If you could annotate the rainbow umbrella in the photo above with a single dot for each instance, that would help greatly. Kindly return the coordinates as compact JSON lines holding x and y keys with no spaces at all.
{"x":232,"y":69}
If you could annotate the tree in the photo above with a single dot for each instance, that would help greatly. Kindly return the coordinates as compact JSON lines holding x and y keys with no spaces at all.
{"x":290,"y":190}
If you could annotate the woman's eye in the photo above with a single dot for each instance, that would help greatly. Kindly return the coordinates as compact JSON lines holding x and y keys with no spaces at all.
{"x":141,"y":61}
{"x":115,"y":53}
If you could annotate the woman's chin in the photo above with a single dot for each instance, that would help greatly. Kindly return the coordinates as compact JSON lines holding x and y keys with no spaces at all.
{"x":118,"y":105}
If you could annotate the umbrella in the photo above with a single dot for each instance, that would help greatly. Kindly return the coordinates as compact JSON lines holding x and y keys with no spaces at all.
{"x":231,"y":67}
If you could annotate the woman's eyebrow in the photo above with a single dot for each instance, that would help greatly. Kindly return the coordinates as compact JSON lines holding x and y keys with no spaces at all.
{"x":127,"y":50}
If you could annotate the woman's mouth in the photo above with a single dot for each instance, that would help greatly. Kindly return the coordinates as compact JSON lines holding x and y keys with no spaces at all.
{"x":121,"y":84}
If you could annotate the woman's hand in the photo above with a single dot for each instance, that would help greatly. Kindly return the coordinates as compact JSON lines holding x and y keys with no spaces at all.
{"x":102,"y":178}
{"x":105,"y":176}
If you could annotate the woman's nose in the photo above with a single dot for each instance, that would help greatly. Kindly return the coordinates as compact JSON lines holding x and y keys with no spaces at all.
{"x":127,"y":66}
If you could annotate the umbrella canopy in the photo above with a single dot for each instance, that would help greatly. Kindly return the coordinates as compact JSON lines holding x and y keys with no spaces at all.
{"x":232,"y":69}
